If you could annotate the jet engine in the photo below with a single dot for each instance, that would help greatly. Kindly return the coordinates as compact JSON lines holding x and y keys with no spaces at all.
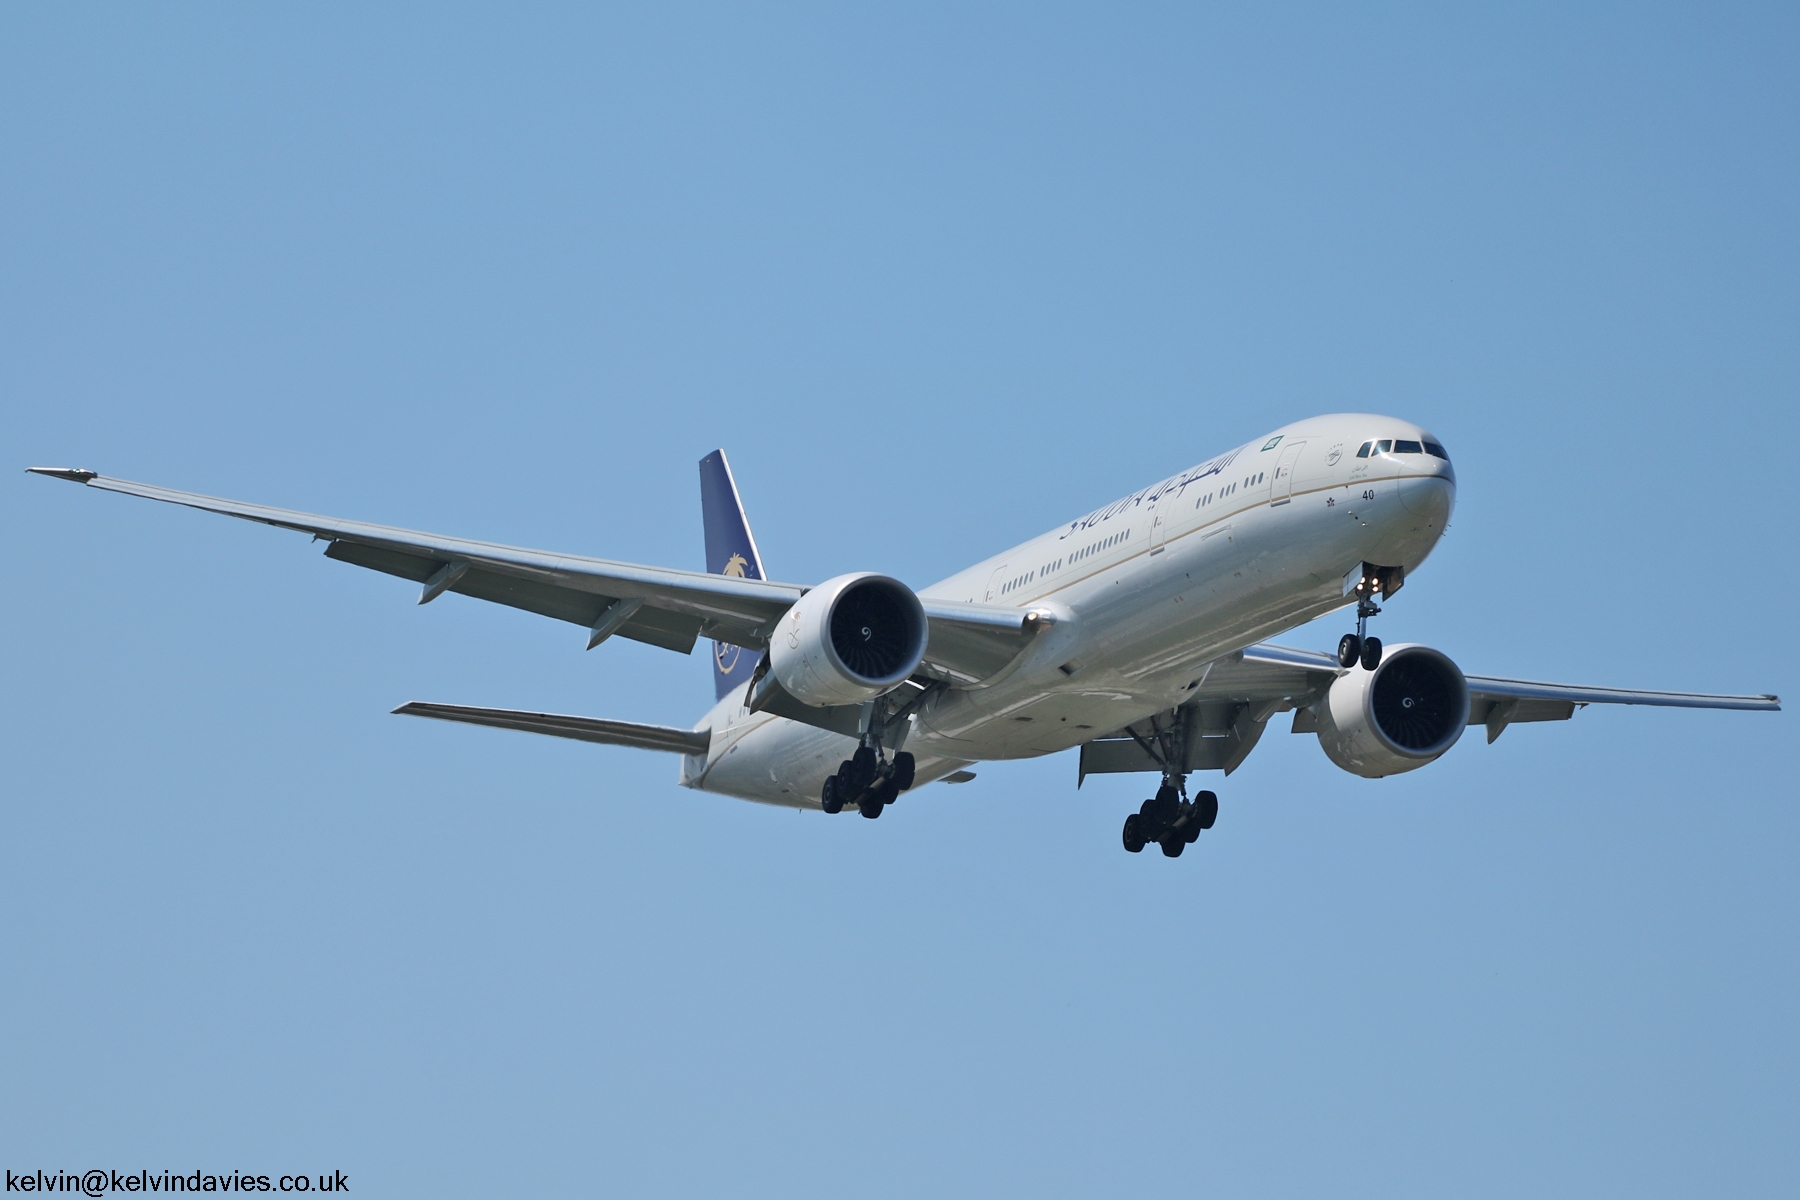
{"x":848,"y":640}
{"x":1406,"y":712}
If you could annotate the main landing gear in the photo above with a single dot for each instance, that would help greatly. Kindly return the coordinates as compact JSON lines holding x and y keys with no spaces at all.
{"x":868,"y":780}
{"x":1169,"y":820}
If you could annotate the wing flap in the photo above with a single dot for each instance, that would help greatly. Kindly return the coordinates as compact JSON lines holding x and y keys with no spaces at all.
{"x":1515,"y":712}
{"x":416,"y":567}
{"x":1113,"y":756}
{"x":585,"y":729}
{"x":655,"y":626}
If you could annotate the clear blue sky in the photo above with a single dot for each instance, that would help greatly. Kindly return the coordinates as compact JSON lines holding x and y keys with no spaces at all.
{"x":937,"y":278}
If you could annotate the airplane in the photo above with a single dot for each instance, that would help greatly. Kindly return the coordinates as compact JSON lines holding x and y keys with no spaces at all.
{"x":1135,"y":634}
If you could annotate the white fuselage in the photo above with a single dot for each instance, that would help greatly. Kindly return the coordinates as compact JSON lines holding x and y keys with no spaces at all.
{"x":1146,"y":592}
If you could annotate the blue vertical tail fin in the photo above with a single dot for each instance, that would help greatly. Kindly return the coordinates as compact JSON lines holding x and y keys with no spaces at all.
{"x":730,"y":550}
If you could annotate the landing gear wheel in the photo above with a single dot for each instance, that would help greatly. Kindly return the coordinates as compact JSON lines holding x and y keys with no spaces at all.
{"x":1371,"y":653}
{"x":1173,"y":844}
{"x":1349,"y":650}
{"x":862,"y":766}
{"x":829,"y":800}
{"x":1163,"y":809}
{"x":1134,"y":833}
{"x":903,"y":771}
{"x":1206,"y":807}
{"x":871,"y":807}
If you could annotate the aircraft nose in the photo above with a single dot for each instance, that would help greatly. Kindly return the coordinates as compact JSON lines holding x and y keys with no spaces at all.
{"x":1431,"y":496}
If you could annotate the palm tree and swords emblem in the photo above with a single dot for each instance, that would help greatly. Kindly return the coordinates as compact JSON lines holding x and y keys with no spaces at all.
{"x":724,"y":653}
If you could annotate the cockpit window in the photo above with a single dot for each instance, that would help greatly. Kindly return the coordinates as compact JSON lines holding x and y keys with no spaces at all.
{"x":1401,"y":446}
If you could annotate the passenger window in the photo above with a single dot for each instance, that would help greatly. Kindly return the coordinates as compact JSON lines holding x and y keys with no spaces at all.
{"x":1362,"y":451}
{"x":1436,"y":451}
{"x":1383,"y":446}
{"x":1408,"y":448}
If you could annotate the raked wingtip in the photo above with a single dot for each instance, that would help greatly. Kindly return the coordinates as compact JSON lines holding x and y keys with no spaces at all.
{"x":72,"y":474}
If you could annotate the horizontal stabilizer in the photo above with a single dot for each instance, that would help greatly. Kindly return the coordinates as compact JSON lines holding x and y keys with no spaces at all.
{"x":584,"y":729}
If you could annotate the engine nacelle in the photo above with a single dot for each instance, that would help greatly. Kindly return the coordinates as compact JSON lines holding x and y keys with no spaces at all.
{"x":1398,"y":717}
{"x":849,"y":640}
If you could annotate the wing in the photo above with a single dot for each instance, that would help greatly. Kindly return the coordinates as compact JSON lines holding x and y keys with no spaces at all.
{"x":586,"y":729}
{"x":1493,"y":701}
{"x":1220,"y":724}
{"x":657,"y":605}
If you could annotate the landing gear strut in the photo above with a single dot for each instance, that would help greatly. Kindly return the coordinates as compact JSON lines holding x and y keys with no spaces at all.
{"x":1169,"y":819}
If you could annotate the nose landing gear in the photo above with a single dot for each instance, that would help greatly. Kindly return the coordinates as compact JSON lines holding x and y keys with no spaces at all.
{"x":1170,"y":820}
{"x":1359,"y":647}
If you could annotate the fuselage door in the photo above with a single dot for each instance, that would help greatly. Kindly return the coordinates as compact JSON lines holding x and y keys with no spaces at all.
{"x":1159,"y":521}
{"x":994,"y":582}
{"x":1281,"y":480}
